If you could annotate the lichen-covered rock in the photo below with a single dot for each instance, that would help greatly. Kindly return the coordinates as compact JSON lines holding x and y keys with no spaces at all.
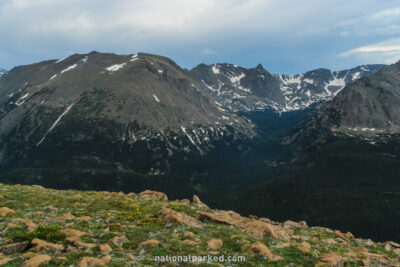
{"x":153,"y":195}
{"x":36,"y":261}
{"x":342,"y":236}
{"x":332,"y":259}
{"x":105,"y":249}
{"x":94,"y":262}
{"x":304,"y":246}
{"x":27,"y":224}
{"x":119,"y":240}
{"x":6,"y":212}
{"x":260,"y":249}
{"x":198,"y":202}
{"x":215,"y":243}
{"x":73,"y":233}
{"x":256,"y":228}
{"x":43,"y":246}
{"x":76,"y":241}
{"x":151,"y":242}
{"x":14,"y":248}
{"x":172,"y":216}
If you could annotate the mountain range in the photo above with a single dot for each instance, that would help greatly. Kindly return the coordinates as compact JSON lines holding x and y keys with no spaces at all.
{"x":241,"y":89}
{"x":320,"y":146}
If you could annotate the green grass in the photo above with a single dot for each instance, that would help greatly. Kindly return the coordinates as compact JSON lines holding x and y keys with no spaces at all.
{"x":117,"y":214}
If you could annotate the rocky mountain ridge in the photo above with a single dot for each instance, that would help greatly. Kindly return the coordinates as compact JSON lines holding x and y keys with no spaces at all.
{"x":369,"y":106}
{"x":89,"y":228}
{"x":239,"y":89}
{"x":143,"y":102}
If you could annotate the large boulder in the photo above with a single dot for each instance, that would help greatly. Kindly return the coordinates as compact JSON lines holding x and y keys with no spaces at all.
{"x":332,"y":259}
{"x":215,"y":244}
{"x":94,"y":262}
{"x":27,"y":224}
{"x":259,"y":248}
{"x":36,"y":261}
{"x":198,"y":202}
{"x":172,"y":216}
{"x":43,"y":246}
{"x":14,"y":248}
{"x":6,"y":212}
{"x":73,"y":233}
{"x":105,"y":249}
{"x":153,"y":195}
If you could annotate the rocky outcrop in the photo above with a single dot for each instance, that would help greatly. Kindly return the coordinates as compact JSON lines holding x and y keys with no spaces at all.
{"x":94,"y":262}
{"x":198,"y":202}
{"x":256,"y":228}
{"x":27,"y":224}
{"x":215,"y":244}
{"x":148,"y":243}
{"x":43,"y":246}
{"x":172,"y":216}
{"x":153,"y":195}
{"x":36,"y":261}
{"x":6,"y":212}
{"x":119,"y":241}
{"x":73,"y":233}
{"x":105,"y":249}
{"x":332,"y":259}
{"x":260,"y":249}
{"x":14,"y":248}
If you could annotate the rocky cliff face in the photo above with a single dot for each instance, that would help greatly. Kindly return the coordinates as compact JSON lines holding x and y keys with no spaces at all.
{"x":243,"y":90}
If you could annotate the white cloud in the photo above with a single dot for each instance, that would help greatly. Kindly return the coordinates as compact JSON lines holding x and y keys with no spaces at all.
{"x":383,"y":22}
{"x":384,"y":52}
{"x":208,"y":51}
{"x":187,"y":20}
{"x":42,"y":29}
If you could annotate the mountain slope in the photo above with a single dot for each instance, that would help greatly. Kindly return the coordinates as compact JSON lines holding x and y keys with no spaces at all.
{"x":369,"y":106}
{"x":242,"y":90}
{"x":131,"y":112}
{"x":2,"y":72}
{"x":348,"y":164}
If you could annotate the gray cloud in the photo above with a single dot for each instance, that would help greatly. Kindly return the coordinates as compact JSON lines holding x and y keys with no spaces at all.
{"x":41,"y":29}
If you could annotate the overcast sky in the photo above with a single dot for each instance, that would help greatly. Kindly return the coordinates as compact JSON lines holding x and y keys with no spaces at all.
{"x":286,"y":36}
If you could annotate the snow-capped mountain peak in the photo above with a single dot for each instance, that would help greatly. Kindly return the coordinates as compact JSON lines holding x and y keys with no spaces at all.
{"x":241,"y":90}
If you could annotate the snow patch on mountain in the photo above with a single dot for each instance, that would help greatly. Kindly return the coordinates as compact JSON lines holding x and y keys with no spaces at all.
{"x":22,"y":99}
{"x":115,"y":67}
{"x":69,"y":68}
{"x":85,"y":59}
{"x":215,"y":69}
{"x":188,"y":136}
{"x":134,"y":57}
{"x":236,"y":79}
{"x":55,"y":123}
{"x":241,"y":89}
{"x":156,"y":98}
